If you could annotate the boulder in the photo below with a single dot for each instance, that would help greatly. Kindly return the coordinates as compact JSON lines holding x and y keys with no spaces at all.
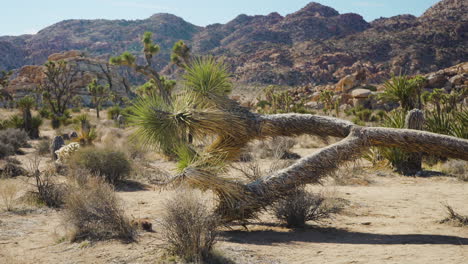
{"x":436,"y":80}
{"x":361,"y":93}
{"x":346,"y":84}
{"x":57,"y":144}
{"x":457,"y":79}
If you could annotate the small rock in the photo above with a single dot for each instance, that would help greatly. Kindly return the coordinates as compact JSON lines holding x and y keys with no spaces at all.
{"x":73,"y":134}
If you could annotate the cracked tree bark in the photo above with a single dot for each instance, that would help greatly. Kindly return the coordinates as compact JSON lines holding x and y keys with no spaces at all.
{"x":238,"y":201}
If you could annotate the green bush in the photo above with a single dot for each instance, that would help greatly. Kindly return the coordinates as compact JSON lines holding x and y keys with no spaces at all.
{"x":109,"y":164}
{"x":45,"y":112}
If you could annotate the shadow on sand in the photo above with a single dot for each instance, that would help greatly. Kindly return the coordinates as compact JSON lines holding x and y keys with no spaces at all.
{"x":315,"y":234}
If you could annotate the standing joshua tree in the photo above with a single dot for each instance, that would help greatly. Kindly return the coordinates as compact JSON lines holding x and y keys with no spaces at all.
{"x":150,"y":50}
{"x":57,"y":87}
{"x":99,"y":94}
{"x":204,"y":109}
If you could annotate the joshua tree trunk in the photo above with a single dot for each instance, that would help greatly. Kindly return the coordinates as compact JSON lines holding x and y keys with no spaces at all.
{"x":239,"y":201}
{"x":412,"y":164}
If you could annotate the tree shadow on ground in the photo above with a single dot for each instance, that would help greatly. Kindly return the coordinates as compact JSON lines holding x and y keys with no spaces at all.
{"x":315,"y":234}
{"x":130,"y":186}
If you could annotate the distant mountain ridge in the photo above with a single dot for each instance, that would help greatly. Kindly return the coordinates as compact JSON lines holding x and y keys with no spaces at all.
{"x":313,"y":45}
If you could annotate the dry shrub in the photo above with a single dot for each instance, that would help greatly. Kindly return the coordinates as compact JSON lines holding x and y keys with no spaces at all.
{"x":111,"y":165}
{"x":43,"y":147}
{"x":351,"y":174}
{"x":8,"y":191}
{"x":189,"y":226}
{"x":454,"y":217}
{"x":302,"y":206}
{"x":458,"y":168}
{"x":12,"y":168}
{"x":277,"y":147}
{"x":11,"y":140}
{"x":93,"y":211}
{"x":253,"y":170}
{"x":47,"y":190}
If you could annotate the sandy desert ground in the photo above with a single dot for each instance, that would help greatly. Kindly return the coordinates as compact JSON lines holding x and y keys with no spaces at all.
{"x":389,"y":219}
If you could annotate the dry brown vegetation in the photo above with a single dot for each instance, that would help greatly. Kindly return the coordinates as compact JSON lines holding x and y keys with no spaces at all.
{"x":93,"y":211}
{"x":189,"y":226}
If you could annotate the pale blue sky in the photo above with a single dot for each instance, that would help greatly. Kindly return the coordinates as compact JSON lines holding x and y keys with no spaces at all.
{"x":28,"y":16}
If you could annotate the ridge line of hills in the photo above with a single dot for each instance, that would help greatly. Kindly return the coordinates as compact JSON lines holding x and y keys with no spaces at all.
{"x":315,"y":45}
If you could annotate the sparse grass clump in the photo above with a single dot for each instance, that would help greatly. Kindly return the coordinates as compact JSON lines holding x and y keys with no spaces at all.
{"x":111,"y":165}
{"x":458,"y":168}
{"x":302,"y":206}
{"x":43,"y":147}
{"x":189,"y":227}
{"x":8,"y":191}
{"x":93,"y":211}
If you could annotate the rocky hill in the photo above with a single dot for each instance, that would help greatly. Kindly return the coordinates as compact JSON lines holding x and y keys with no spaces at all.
{"x":313,"y":45}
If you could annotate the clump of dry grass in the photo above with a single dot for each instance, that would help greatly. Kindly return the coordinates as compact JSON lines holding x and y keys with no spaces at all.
{"x":277,"y":147}
{"x":43,"y":147}
{"x":253,"y":170}
{"x":351,"y":174}
{"x":93,"y":211}
{"x":189,"y":227}
{"x":458,"y":168}
{"x":302,"y":206}
{"x":8,"y":191}
{"x":454,"y":217}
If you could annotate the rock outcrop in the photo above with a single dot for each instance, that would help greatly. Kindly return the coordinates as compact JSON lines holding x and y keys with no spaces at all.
{"x":315,"y":45}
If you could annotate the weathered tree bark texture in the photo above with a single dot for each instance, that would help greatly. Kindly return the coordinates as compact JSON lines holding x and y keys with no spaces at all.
{"x":239,"y":201}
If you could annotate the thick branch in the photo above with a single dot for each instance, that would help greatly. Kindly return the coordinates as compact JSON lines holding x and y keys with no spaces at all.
{"x":298,"y":124}
{"x":418,"y":141}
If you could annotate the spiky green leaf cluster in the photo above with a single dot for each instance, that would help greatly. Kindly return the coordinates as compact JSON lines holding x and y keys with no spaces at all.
{"x":180,"y":54}
{"x":26,"y":103}
{"x":207,"y":78}
{"x":148,"y":46}
{"x":125,"y":59}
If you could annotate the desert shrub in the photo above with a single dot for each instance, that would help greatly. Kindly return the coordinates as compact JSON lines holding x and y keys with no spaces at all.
{"x":189,"y":227}
{"x":458,"y":168}
{"x":109,"y":164}
{"x":11,"y":140}
{"x":301,"y":206}
{"x":45,"y":112}
{"x":47,"y":190}
{"x":6,"y":150}
{"x":278,"y":147}
{"x":93,"y":211}
{"x":8,"y":191}
{"x":43,"y":147}
{"x":12,"y":168}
